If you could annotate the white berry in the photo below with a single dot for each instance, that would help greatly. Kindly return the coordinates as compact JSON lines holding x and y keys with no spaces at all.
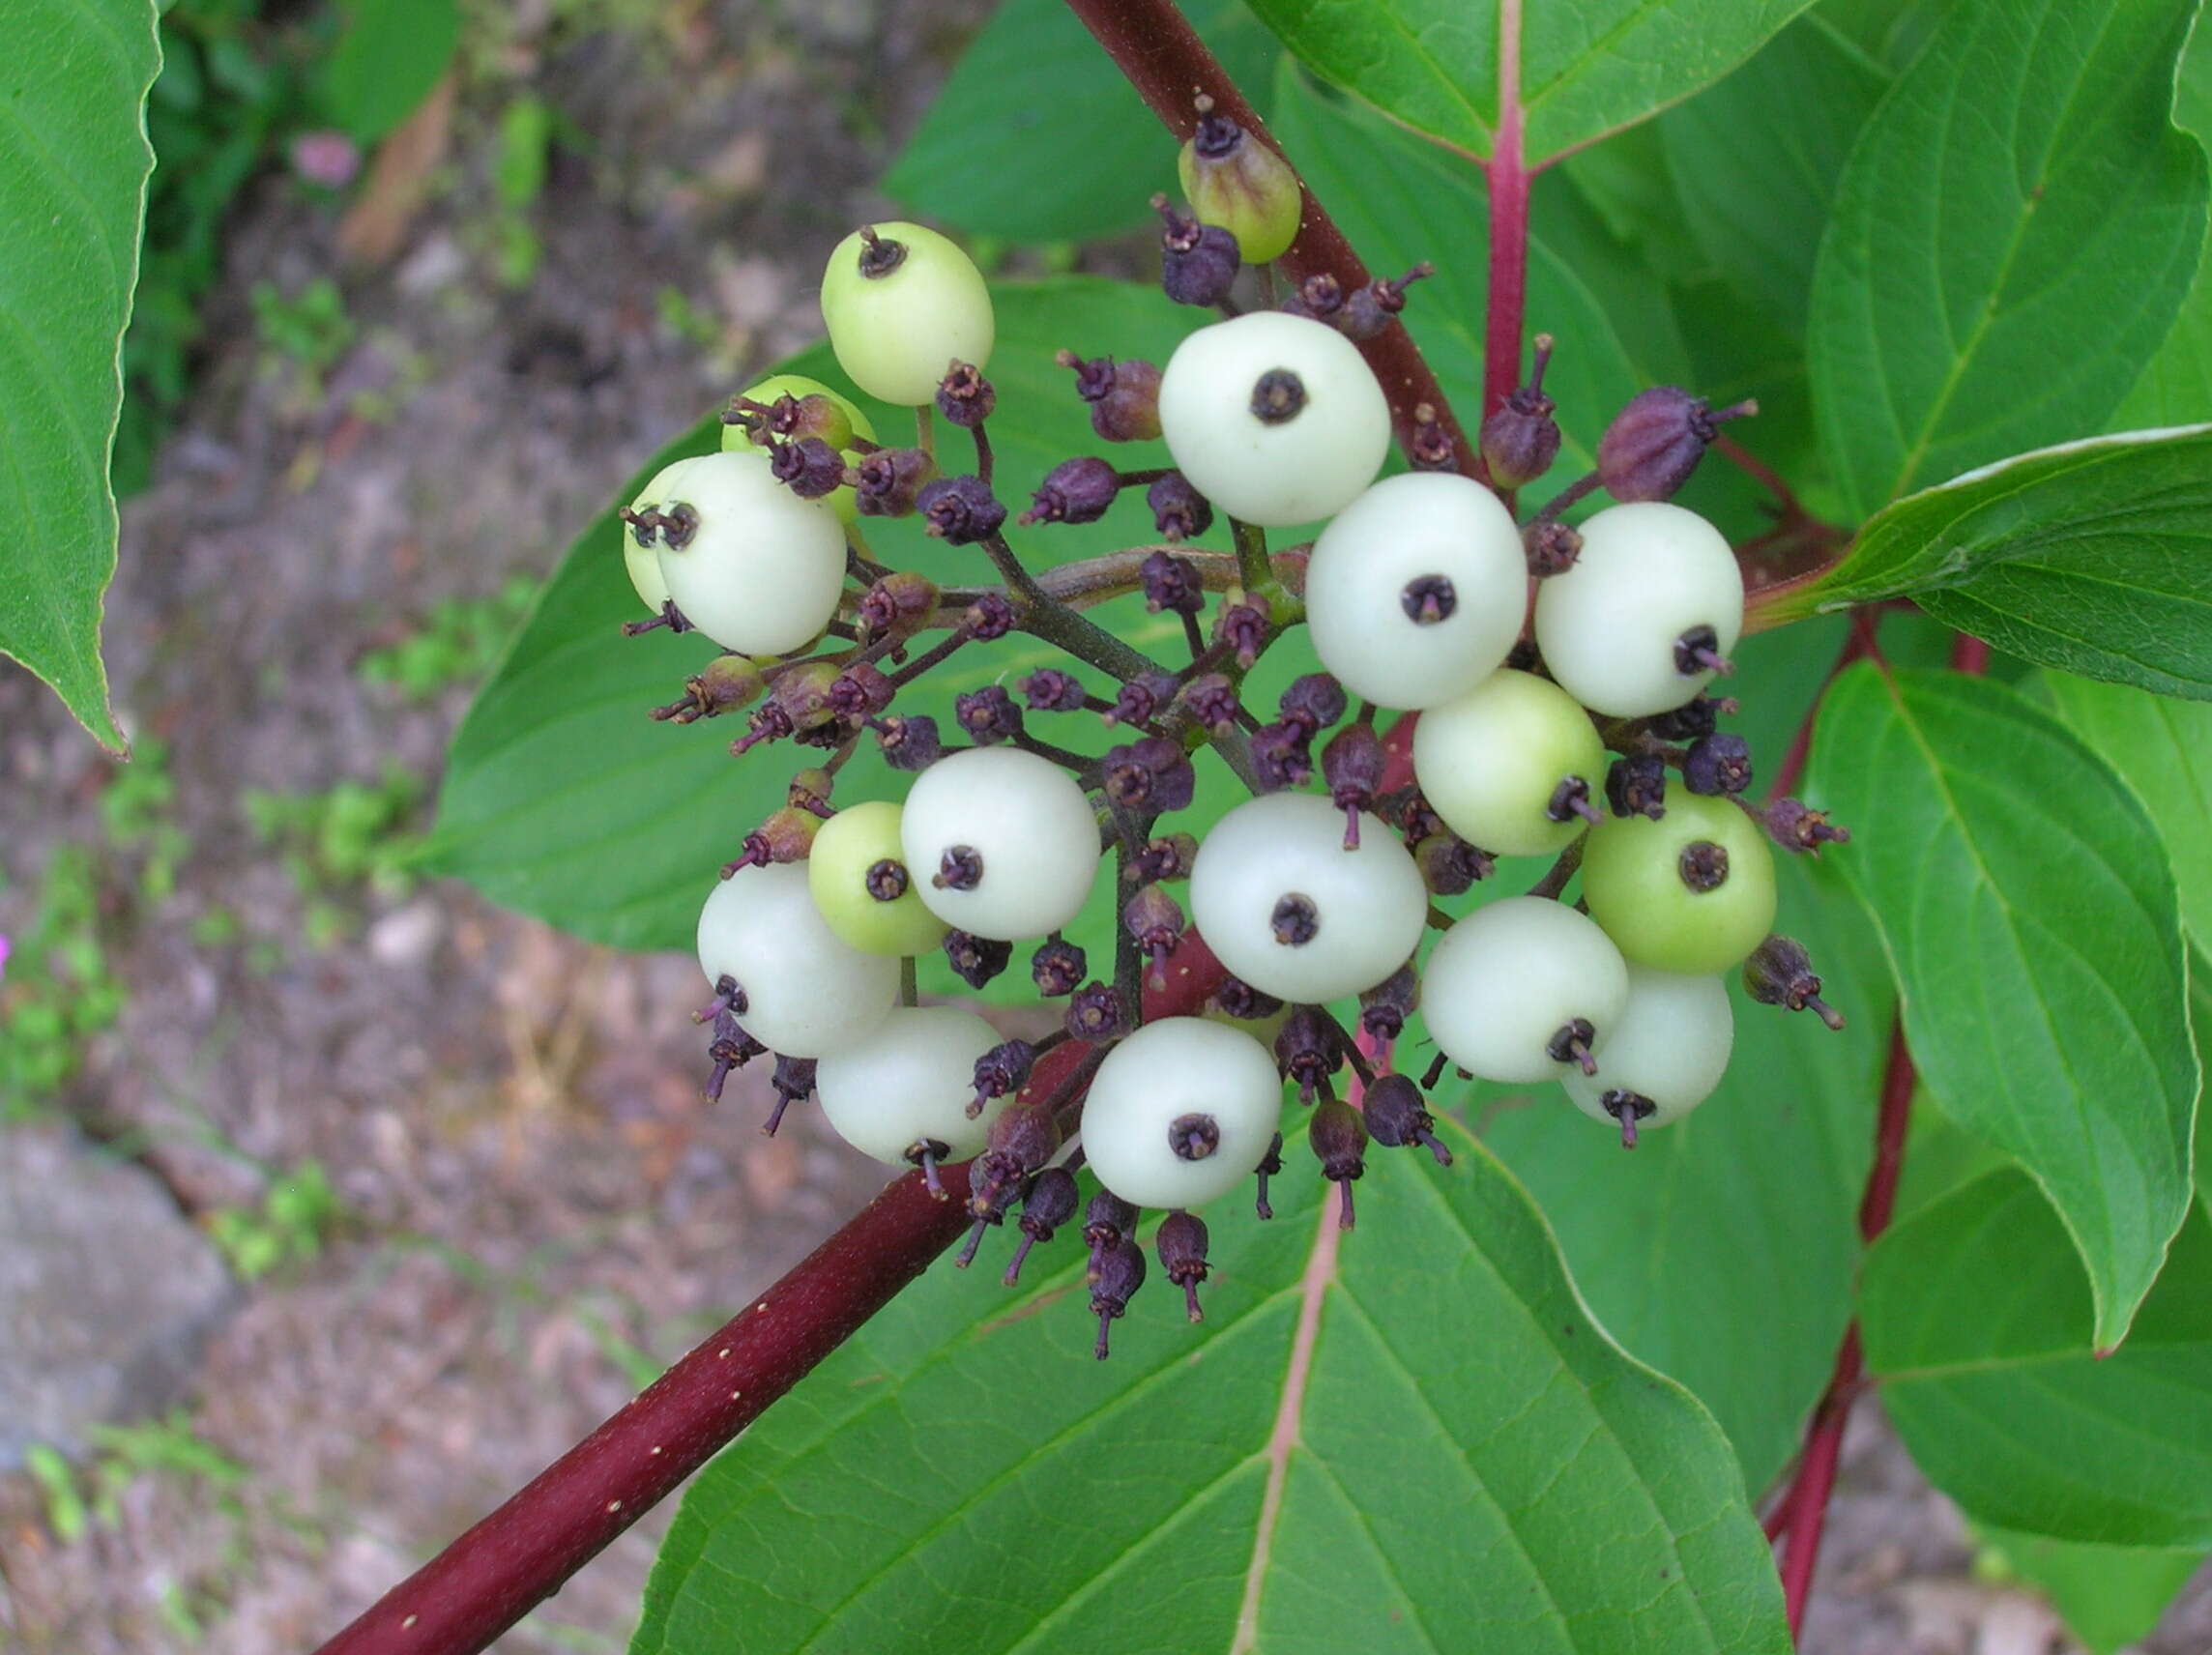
{"x":1668,"y":1048}
{"x":1514,"y":988}
{"x":1287,"y":909}
{"x":902,"y":304}
{"x":1275,"y":419}
{"x":761,"y":570}
{"x":641,"y":547}
{"x":1417,"y":591}
{"x":1649,"y":576}
{"x":908,"y":1086}
{"x":1180,"y":1113}
{"x":806,"y":992}
{"x":1493,"y":762}
{"x":1001,"y":843}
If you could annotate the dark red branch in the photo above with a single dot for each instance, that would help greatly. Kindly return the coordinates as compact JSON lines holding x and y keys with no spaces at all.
{"x":1169,"y":65}
{"x":519,"y":1555}
{"x":1508,"y":178}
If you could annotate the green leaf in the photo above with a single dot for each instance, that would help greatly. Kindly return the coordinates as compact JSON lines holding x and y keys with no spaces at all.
{"x":562,"y":800}
{"x":2021,"y":178}
{"x":2025,"y":903}
{"x":1585,"y":68}
{"x":1978,"y":1322}
{"x":390,"y":56}
{"x":2090,"y":557}
{"x":1723,"y":1251}
{"x":2163,"y":749}
{"x":73,"y":163}
{"x":2108,"y":1595}
{"x":1069,"y":156}
{"x":1756,"y":207}
{"x":1465,"y":1461}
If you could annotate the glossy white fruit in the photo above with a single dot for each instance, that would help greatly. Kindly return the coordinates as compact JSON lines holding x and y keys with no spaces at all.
{"x":763,"y":570}
{"x":641,"y":558}
{"x":1030,"y":826}
{"x":1367,"y":906}
{"x":1670,"y":1046}
{"x":896,"y":334}
{"x":1419,"y":526}
{"x":1490,"y":761}
{"x":908,"y":1083}
{"x":1295,"y":470}
{"x":806,"y":992}
{"x":1504,"y":981}
{"x":1649,"y":573}
{"x":1166,"y":1072}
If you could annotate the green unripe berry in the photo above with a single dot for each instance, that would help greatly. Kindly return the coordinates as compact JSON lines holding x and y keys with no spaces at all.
{"x":1692,"y":892}
{"x":902,"y":304}
{"x":850,"y":421}
{"x":860,"y":882}
{"x":1233,"y":180}
{"x":1493,"y":764}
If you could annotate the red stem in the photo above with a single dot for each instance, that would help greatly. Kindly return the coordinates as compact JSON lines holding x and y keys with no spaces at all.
{"x":519,"y":1555}
{"x":1508,"y":177}
{"x":1163,"y":58}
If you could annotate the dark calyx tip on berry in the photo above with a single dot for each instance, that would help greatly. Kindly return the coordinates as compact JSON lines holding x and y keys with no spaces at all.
{"x":1171,"y":583}
{"x":1656,"y":440}
{"x":1310,"y":1048}
{"x":1236,"y":998}
{"x":1572,"y":798}
{"x":1370,"y":310}
{"x":1095,"y":1012}
{"x":1194,"y":1136}
{"x":1179,"y":513}
{"x":1384,"y":1008}
{"x":1521,"y":440}
{"x":729,"y":997}
{"x":1295,"y":920}
{"x":669,"y":617}
{"x":1779,"y":972}
{"x":960,"y":868}
{"x":1121,"y":1273}
{"x":1050,"y":1202}
{"x":1572,"y":1043}
{"x":1005,"y":1068}
{"x":989,"y":714}
{"x":1698,"y":649}
{"x":1427,"y":599}
{"x":1182,"y":1243}
{"x":1278,"y":396}
{"x":1627,"y":1108}
{"x":1397,"y":1115}
{"x":1198,"y":262}
{"x":1312,"y":703}
{"x":1796,"y":825}
{"x":880,"y":255}
{"x":1431,"y":448}
{"x":792,"y":1080}
{"x":1702,"y":865}
{"x":1107,"y":1222}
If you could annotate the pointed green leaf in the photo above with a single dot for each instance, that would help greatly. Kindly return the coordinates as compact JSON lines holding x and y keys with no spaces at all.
{"x":2163,"y":749}
{"x":1406,"y":1437}
{"x":2091,"y":557}
{"x":2012,"y":238}
{"x":2176,"y":384}
{"x":391,"y":53}
{"x":73,"y":163}
{"x":1977,"y":1323}
{"x":1586,"y":68}
{"x":2024,"y":899}
{"x":1005,"y":151}
{"x":1758,"y":208}
{"x":564,"y":801}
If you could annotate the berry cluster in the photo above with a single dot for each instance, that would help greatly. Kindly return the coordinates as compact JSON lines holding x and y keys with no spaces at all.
{"x":1558,"y":674}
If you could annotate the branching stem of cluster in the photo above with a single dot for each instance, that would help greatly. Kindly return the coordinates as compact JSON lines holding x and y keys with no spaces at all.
{"x":1252,"y":566}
